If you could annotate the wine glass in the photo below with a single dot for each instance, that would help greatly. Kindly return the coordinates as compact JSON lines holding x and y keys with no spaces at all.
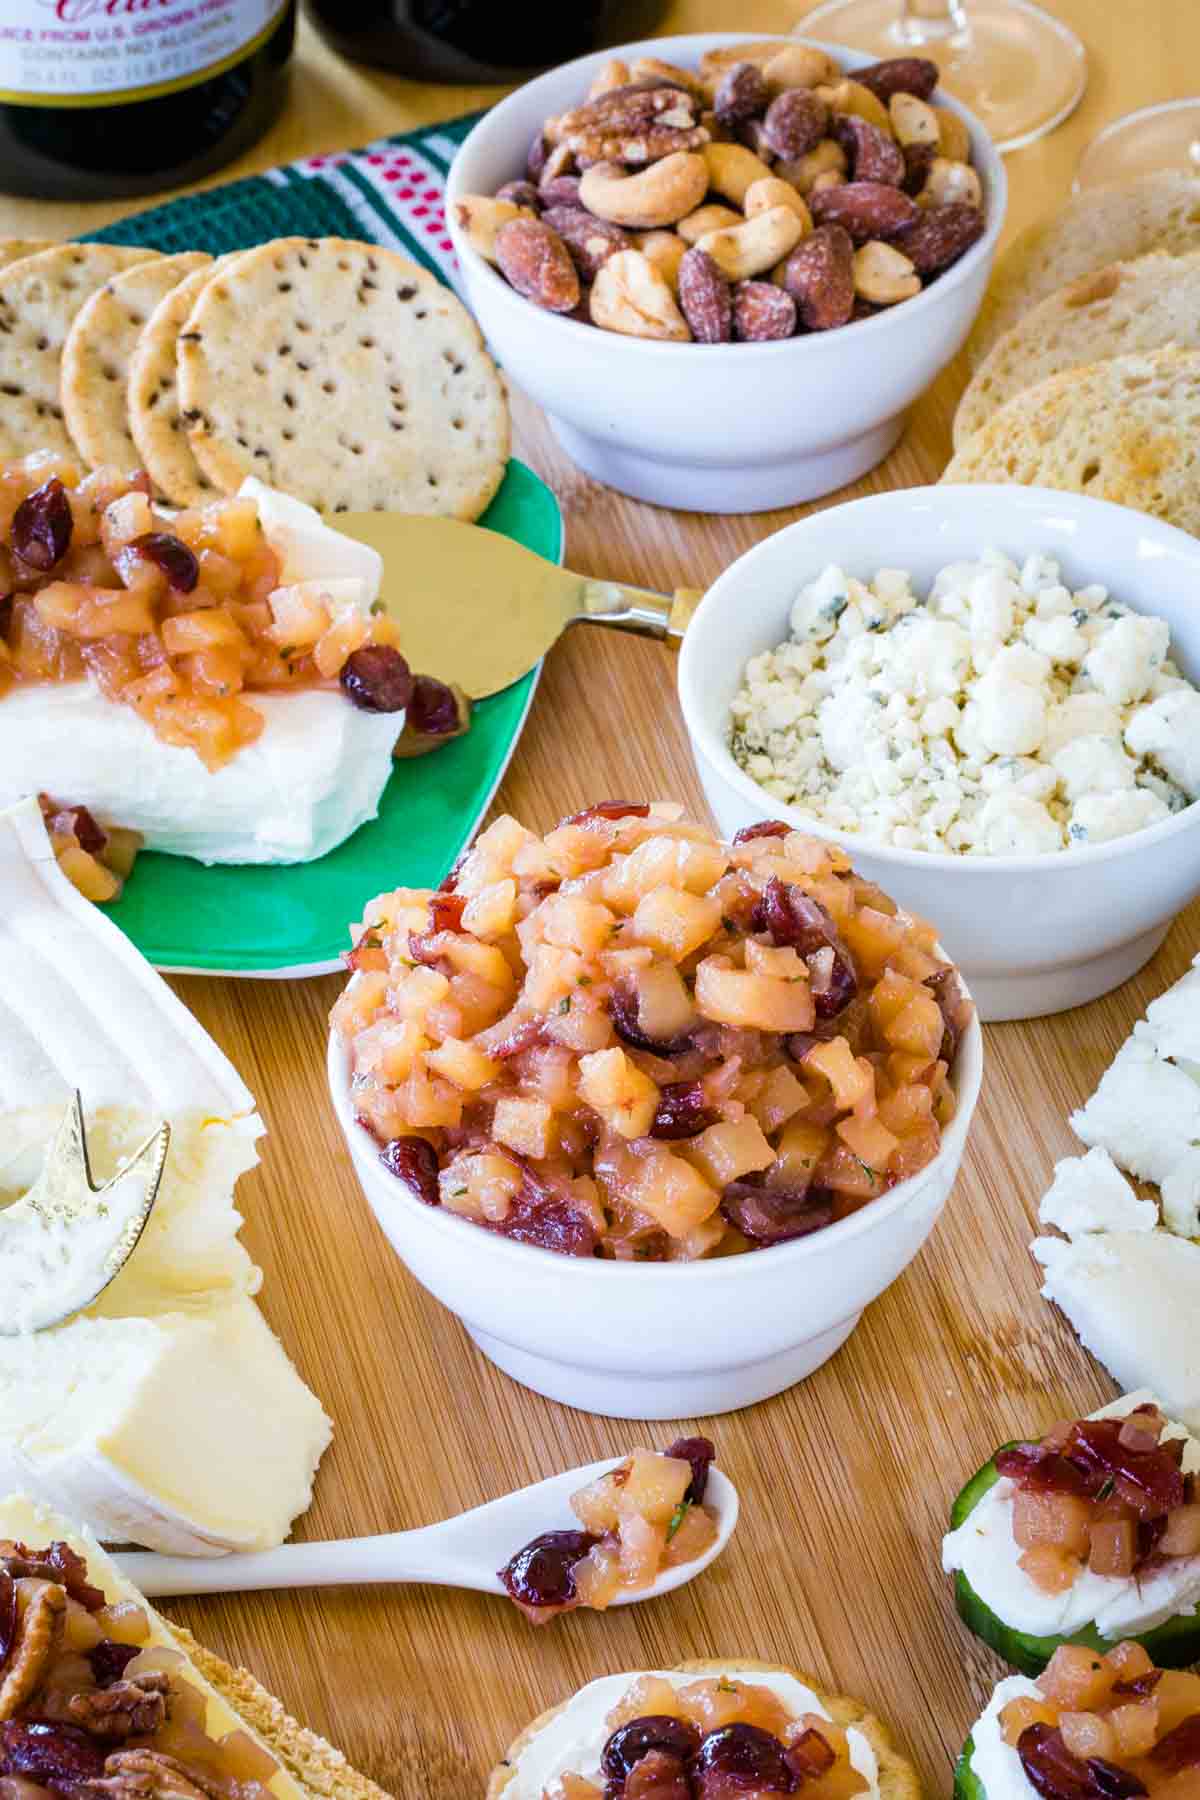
{"x":1020,"y":70}
{"x":1166,"y":136}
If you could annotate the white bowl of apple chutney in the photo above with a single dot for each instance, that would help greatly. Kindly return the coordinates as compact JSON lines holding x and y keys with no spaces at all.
{"x":655,"y":1116}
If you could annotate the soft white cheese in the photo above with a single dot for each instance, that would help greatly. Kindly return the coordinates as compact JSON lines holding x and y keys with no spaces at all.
{"x":1089,"y":1193}
{"x":1145,"y":1113}
{"x":1134,"y":1299}
{"x":572,"y":1741}
{"x":1172,"y":1023}
{"x":1181,"y":1196}
{"x":987,"y":1553}
{"x":995,"y":1763}
{"x":309,"y":548}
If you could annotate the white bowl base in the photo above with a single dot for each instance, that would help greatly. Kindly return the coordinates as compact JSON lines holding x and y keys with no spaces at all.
{"x":614,"y":1395}
{"x":1017,"y":996}
{"x":739,"y":488}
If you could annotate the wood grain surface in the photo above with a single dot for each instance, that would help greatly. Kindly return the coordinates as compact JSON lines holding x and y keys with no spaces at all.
{"x":846,"y":1479}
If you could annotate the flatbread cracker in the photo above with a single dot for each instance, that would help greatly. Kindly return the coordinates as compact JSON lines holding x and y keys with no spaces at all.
{"x":1099,"y":226}
{"x":39,"y":298}
{"x":15,"y":249}
{"x":897,"y":1778}
{"x":1126,"y":430}
{"x":345,"y":375}
{"x":152,"y":396}
{"x":98,"y":352}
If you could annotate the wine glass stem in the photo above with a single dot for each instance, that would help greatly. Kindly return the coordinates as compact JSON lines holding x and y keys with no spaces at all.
{"x":927,"y":21}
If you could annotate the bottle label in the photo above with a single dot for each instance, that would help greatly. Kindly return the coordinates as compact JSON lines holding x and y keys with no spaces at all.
{"x":101,"y":52}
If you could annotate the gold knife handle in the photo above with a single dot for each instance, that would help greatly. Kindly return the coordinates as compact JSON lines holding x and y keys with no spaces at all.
{"x":639,"y":609}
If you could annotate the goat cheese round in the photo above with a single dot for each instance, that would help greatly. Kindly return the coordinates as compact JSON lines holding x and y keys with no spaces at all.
{"x":1002,"y":714}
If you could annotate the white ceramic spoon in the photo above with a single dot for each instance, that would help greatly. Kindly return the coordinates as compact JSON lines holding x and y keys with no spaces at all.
{"x":461,"y":1552}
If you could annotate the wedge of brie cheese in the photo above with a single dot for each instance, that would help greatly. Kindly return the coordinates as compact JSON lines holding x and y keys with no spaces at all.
{"x":314,"y":775}
{"x":166,"y":1414}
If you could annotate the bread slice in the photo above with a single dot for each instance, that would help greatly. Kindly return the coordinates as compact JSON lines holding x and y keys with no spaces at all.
{"x":1099,"y":226}
{"x":309,"y":1768}
{"x":1126,"y":430}
{"x":1115,"y":311}
{"x":897,"y":1778}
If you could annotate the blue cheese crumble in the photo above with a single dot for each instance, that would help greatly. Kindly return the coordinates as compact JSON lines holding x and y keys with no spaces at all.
{"x":1002,"y":714}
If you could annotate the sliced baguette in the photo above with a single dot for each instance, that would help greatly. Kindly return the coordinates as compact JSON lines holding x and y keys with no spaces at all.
{"x":1126,"y":430}
{"x":1099,"y":226}
{"x":1115,"y":311}
{"x":897,"y":1778}
{"x":310,"y":1769}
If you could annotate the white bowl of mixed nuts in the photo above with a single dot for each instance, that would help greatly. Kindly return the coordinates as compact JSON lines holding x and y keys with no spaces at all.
{"x":726,"y":267}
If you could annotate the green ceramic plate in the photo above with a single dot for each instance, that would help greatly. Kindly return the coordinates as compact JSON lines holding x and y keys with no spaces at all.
{"x":294,"y":921}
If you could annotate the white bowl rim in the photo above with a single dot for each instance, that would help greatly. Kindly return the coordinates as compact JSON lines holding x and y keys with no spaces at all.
{"x":707,"y":742}
{"x":997,"y":181}
{"x":968,"y":1070}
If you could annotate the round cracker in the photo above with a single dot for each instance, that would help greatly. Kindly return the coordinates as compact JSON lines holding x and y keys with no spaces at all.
{"x":152,"y":395}
{"x":898,"y":1780}
{"x":98,"y":352}
{"x":345,"y":375}
{"x":15,"y":249}
{"x":39,"y":298}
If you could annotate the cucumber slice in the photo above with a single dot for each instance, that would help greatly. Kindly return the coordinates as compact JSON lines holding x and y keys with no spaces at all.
{"x":967,"y":1785}
{"x":1173,"y":1645}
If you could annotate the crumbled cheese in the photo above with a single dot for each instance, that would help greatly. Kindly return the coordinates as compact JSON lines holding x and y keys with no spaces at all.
{"x":1181,"y":1196}
{"x":1002,"y":714}
{"x":1091,"y":1194}
{"x":1145,"y":1113}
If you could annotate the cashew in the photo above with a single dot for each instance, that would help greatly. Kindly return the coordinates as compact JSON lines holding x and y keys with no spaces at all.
{"x":802,"y":171}
{"x":630,"y":296}
{"x":761,"y":196}
{"x":713,"y":217}
{"x":853,"y":97}
{"x":948,"y":181}
{"x":731,"y":169}
{"x":561,"y":161}
{"x":665,"y":249}
{"x":658,"y":195}
{"x":828,"y":179}
{"x":652,"y":68}
{"x":481,"y":218}
{"x":614,"y":74}
{"x":883,"y":275}
{"x":798,"y":65}
{"x":954,"y":140}
{"x":741,"y":251}
{"x":714,"y":63}
{"x":913,"y":121}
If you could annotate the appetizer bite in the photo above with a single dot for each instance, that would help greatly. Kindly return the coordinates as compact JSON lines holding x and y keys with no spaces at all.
{"x":1088,"y":1535}
{"x":629,"y":1040}
{"x":704,"y":1731}
{"x":1094,"y":1726}
{"x":643,"y":1517}
{"x":100,"y":1697}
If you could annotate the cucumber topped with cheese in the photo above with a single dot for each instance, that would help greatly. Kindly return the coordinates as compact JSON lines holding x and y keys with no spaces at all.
{"x":1089,"y":1536}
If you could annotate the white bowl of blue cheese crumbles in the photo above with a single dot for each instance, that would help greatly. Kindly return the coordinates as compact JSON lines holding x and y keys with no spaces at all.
{"x":989,"y":696}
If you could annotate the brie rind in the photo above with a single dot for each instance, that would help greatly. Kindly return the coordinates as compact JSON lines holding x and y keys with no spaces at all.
{"x":1134,"y":1299}
{"x":25,"y":1521}
{"x":1089,"y":1193}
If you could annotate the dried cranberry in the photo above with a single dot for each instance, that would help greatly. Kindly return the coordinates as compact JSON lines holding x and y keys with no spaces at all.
{"x":110,"y":1660}
{"x":8,"y":1614}
{"x":682,"y":1111}
{"x":172,"y":556}
{"x":947,"y":989}
{"x":449,"y":882}
{"x":56,"y":1756}
{"x":766,"y":828}
{"x":542,"y":1573}
{"x":446,"y":911}
{"x":608,"y":809}
{"x":522,"y":1037}
{"x":834,"y":982}
{"x":1150,"y":1480}
{"x":1180,"y":1749}
{"x":544,"y":1216}
{"x":432,"y":707}
{"x":1139,"y":1685}
{"x":58,"y":1562}
{"x":413,"y":1160}
{"x":623,"y":1010}
{"x":776,"y":1215}
{"x":658,"y":1776}
{"x":811,"y":1754}
{"x":701,"y":1453}
{"x":42,"y":526}
{"x":75,"y":821}
{"x":1150,"y":1533}
{"x":1044,"y":1471}
{"x":377,"y":679}
{"x":6,"y":610}
{"x":629,"y":1743}
{"x":739,"y":1759}
{"x":792,"y":917}
{"x":1057,"y":1775}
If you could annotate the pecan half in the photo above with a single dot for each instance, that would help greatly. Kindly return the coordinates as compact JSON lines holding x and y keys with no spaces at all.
{"x":133,"y":1708}
{"x":152,"y":1775}
{"x":39,"y":1636}
{"x":630,"y":125}
{"x":58,"y":1562}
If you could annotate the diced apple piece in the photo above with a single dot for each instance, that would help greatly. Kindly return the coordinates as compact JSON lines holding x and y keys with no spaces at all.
{"x":907,"y":1109}
{"x":1020,"y":1714}
{"x":463,"y":1063}
{"x":665,"y":1009}
{"x":917,"y":1027}
{"x":1088,"y":1734}
{"x":1135,"y":1727}
{"x":299,"y":615}
{"x":416,"y":992}
{"x":1052,"y":1570}
{"x":770,"y":959}
{"x":675,"y":923}
{"x":870,"y":1141}
{"x":665,"y":862}
{"x":780,"y":1096}
{"x":211,"y":629}
{"x":1130,"y":1660}
{"x":851,"y":1078}
{"x":348,"y":631}
{"x":797,"y":1155}
{"x":699,"y":1240}
{"x":84,"y":872}
{"x":731,"y":996}
{"x":624,"y":1097}
{"x":915,"y":1152}
{"x":1178,"y":1697}
{"x":673,"y":1193}
{"x":845,"y":1173}
{"x":493,"y":855}
{"x":357,"y":1004}
{"x":1077,"y":1679}
{"x":1182,"y":1536}
{"x":480,"y":1185}
{"x":889,"y":996}
{"x":1058,"y":1519}
{"x":491,"y":913}
{"x":691,"y":1537}
{"x":426,"y":1100}
{"x":573,"y":1787}
{"x":526,"y":1126}
{"x":575,"y":924}
{"x":596,"y":1506}
{"x":654,"y":1485}
{"x":642,"y":1546}
{"x":728,"y":1150}
{"x":649,"y":1696}
{"x":484,"y":960}
{"x":872,"y":937}
{"x":598,"y":1577}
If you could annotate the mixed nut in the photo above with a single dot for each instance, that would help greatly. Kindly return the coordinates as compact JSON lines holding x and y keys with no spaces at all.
{"x":760,"y":195}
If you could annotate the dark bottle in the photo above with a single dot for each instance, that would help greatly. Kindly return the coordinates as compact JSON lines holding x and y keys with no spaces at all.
{"x":104,"y":98}
{"x":477,"y":40}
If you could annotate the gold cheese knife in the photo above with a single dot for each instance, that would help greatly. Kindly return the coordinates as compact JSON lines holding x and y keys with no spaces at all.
{"x":478,"y":610}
